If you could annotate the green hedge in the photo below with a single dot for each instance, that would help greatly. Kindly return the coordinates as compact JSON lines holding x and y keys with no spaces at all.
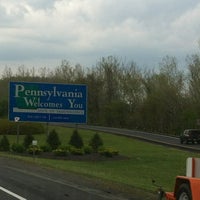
{"x":18,"y":148}
{"x":10,"y":128}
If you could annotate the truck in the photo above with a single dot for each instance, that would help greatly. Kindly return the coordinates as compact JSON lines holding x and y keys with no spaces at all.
{"x":190,"y":135}
{"x":186,"y":187}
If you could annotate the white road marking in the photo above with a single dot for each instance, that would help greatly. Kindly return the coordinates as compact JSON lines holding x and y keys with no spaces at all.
{"x":70,"y":184}
{"x":12,"y":193}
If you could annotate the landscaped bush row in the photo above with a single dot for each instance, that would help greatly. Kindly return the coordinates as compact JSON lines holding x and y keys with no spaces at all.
{"x":53,"y":144}
{"x":108,"y":152}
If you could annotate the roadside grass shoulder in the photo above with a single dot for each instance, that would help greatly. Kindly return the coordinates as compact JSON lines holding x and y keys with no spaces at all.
{"x":146,"y":161}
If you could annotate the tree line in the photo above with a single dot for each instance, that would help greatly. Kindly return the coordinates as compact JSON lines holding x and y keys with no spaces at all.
{"x":121,"y":94}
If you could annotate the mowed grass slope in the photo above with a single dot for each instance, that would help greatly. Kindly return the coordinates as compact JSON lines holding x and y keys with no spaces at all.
{"x":145,"y":161}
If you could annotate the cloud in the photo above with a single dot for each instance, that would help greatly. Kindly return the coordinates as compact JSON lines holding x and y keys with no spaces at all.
{"x":187,"y":26}
{"x":86,"y":30}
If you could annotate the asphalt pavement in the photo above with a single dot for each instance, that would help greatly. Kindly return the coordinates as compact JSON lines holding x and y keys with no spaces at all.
{"x":20,"y":180}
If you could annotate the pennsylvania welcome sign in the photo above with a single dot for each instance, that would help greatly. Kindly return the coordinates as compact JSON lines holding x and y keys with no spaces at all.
{"x":45,"y":102}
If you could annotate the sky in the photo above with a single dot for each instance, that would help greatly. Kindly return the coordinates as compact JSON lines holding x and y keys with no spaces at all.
{"x":42,"y":33}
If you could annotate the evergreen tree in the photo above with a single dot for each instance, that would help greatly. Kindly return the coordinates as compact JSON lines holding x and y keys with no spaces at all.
{"x":28,"y":140}
{"x":53,"y":139}
{"x":76,"y":140}
{"x":4,"y":144}
{"x":96,"y":142}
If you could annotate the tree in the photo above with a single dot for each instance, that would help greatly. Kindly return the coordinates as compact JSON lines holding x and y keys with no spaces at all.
{"x":192,"y":100}
{"x":53,"y":140}
{"x":95,"y":96}
{"x":3,"y":108}
{"x":76,"y":139}
{"x":132,"y":93}
{"x":4,"y":144}
{"x":108,"y":71}
{"x":194,"y":78}
{"x":96,"y":142}
{"x":28,"y":140}
{"x":163,"y":104}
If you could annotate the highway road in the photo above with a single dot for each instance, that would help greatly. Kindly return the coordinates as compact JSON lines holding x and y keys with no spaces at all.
{"x":146,"y":136}
{"x":21,"y":180}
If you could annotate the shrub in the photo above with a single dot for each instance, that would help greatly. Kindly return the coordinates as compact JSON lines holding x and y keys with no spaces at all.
{"x":4,"y":144}
{"x":53,"y":140}
{"x":60,"y":152}
{"x":34,"y":149}
{"x":18,"y":148}
{"x":96,"y":142}
{"x":31,"y":128}
{"x":28,"y":140}
{"x":76,"y":151}
{"x":7,"y":127}
{"x":76,"y":140}
{"x":65,"y":147}
{"x":108,"y":152}
{"x":10,"y":128}
{"x":88,"y":149}
{"x":46,"y":148}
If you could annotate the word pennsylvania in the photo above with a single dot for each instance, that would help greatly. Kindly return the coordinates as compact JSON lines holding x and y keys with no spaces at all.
{"x":21,"y":91}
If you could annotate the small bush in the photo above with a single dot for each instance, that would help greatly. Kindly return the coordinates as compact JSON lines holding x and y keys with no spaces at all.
{"x":4,"y":144}
{"x":53,"y":140}
{"x":65,"y":147}
{"x":76,"y":151}
{"x":76,"y":140}
{"x":34,"y":149}
{"x":18,"y":148}
{"x":46,"y":148}
{"x":60,"y":152}
{"x":88,"y":149}
{"x":108,"y":152}
{"x":96,"y":142}
{"x":28,"y":140}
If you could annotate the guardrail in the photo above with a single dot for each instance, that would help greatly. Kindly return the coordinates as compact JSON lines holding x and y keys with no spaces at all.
{"x":144,"y":136}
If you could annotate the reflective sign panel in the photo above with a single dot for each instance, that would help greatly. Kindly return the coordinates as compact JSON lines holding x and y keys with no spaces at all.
{"x":45,"y":102}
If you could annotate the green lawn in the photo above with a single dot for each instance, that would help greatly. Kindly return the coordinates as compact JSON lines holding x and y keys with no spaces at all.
{"x":146,"y":161}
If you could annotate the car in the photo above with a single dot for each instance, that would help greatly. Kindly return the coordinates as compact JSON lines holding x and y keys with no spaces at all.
{"x":190,"y":136}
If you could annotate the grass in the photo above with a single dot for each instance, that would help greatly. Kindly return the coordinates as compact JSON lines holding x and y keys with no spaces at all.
{"x":146,"y":161}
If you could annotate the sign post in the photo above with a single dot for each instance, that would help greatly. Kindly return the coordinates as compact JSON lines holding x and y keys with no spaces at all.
{"x":17,"y":120}
{"x":46,"y":102}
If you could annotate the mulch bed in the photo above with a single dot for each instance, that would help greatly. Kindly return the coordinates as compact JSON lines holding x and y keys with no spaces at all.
{"x":86,"y":157}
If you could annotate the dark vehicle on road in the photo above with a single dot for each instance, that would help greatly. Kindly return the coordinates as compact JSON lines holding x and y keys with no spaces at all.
{"x":190,"y":136}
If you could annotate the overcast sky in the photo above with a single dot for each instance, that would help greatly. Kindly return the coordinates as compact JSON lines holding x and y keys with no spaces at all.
{"x":42,"y":33}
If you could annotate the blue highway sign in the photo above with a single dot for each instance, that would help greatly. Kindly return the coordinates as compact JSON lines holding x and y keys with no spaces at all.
{"x":46,"y":102}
